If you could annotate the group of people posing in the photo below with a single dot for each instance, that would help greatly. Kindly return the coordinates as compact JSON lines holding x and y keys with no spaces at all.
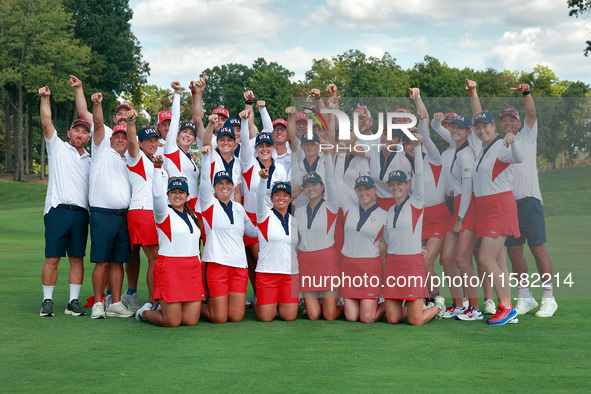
{"x":301,"y":213}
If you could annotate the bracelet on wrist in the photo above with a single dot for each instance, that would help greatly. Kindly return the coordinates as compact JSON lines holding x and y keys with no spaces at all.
{"x":318,"y":98}
{"x":459,"y":218}
{"x":527,"y":93}
{"x":248,"y":102}
{"x":130,"y":124}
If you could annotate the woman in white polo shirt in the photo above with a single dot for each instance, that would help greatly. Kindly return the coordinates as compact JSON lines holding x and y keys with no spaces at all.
{"x":225,"y":272}
{"x":177,"y":272}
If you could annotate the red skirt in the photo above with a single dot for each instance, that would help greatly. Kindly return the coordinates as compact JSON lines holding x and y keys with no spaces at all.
{"x":251,"y":240}
{"x":405,"y":277}
{"x":178,"y":279}
{"x":435,"y":221}
{"x":361,"y":278}
{"x":469,"y":218}
{"x":316,"y":266}
{"x":385,"y":203}
{"x":497,"y":215}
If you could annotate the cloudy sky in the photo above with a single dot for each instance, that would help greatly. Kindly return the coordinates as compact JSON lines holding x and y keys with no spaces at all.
{"x":180,"y":38}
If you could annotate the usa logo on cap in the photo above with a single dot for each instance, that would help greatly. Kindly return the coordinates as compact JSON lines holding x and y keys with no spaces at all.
{"x":221,"y":111}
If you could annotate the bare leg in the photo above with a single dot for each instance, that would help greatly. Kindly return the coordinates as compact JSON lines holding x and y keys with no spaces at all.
{"x":115,"y":280}
{"x":464,"y":251}
{"x":448,"y":261}
{"x":49,"y":271}
{"x":351,"y":309}
{"x":416,"y":315}
{"x":395,"y":313}
{"x":236,"y":303}
{"x":433,"y":246}
{"x":370,"y":311}
{"x":99,"y":280}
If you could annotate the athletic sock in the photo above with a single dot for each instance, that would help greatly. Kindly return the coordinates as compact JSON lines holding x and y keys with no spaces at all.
{"x":523,"y":290}
{"x":74,"y":291}
{"x":548,"y":292}
{"x":108,"y":293}
{"x":131,"y":291}
{"x":48,"y":292}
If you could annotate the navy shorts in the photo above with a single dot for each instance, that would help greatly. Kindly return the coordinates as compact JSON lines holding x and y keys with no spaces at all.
{"x":109,"y":236}
{"x":66,"y":230}
{"x":530,"y":213}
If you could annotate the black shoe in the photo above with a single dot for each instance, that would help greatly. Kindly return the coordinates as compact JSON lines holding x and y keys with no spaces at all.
{"x":74,"y":309}
{"x":47,"y":308}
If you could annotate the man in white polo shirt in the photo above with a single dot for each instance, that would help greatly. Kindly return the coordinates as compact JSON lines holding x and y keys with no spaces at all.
{"x":66,"y":204}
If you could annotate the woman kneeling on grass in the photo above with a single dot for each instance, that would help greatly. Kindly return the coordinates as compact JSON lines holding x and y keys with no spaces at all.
{"x":177,"y":272}
{"x":277,"y":280}
{"x":405,"y":277}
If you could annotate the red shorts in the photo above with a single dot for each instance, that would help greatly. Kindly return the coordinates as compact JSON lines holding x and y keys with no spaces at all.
{"x":219,"y":280}
{"x":469,"y":218}
{"x":142,"y":228}
{"x":316,"y":266}
{"x":361,"y":278}
{"x":178,"y":279}
{"x":385,"y":203}
{"x":497,"y":215}
{"x":435,"y":221}
{"x":251,"y":240}
{"x":405,"y":277}
{"x":277,"y":288}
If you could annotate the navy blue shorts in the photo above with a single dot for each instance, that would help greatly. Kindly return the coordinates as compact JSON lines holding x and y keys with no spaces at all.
{"x":530,"y":213}
{"x":66,"y":230}
{"x":109,"y":236}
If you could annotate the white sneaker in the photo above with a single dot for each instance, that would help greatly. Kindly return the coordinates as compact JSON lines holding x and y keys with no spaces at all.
{"x":98,"y":311}
{"x":525,"y":305}
{"x":489,"y":307}
{"x":253,"y":300}
{"x":470,"y":314}
{"x":130,"y":301}
{"x":146,"y":307}
{"x":381,"y":300}
{"x":108,"y":301}
{"x":548,"y":307}
{"x":453,"y":311}
{"x":440,"y":303}
{"x":118,"y":310}
{"x":465,"y":302}
{"x":247,"y":304}
{"x":340,"y":302}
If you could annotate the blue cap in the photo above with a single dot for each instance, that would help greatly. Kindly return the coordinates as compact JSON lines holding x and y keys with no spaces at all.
{"x":221,"y":175}
{"x":146,"y":133}
{"x":365,"y":180}
{"x":485,"y":117}
{"x":314,"y":138}
{"x":462,"y":121}
{"x":232,"y":122}
{"x":264,"y":137}
{"x":312,"y":177}
{"x":178,"y":182}
{"x":226,"y":131}
{"x":189,"y":125}
{"x":281,"y":185}
{"x":397,"y":175}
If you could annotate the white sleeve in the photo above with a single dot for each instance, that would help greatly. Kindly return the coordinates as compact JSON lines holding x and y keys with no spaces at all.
{"x":262,"y":208}
{"x":432,"y":150}
{"x":442,"y":131}
{"x":266,"y":119}
{"x":159,"y":196}
{"x":246,"y":151}
{"x":329,"y":182}
{"x":513,"y":154}
{"x":206,"y":188}
{"x":344,"y":197}
{"x":466,"y":196}
{"x":173,"y":132}
{"x":419,"y":185}
{"x":249,"y":229}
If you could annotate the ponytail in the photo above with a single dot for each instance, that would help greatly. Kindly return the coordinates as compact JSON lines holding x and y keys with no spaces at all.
{"x":191,"y":213}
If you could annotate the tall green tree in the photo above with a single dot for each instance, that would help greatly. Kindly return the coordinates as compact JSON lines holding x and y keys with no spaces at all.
{"x":579,"y":8}
{"x":38,"y":48}
{"x":117,"y":65}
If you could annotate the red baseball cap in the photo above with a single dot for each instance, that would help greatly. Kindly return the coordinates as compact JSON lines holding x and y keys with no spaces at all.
{"x":301,"y":116}
{"x":164,"y":115}
{"x":363,"y":111}
{"x":120,"y":127}
{"x":449,"y":117}
{"x":80,"y":122}
{"x":280,"y":121}
{"x":403,"y":110}
{"x":221,"y":111}
{"x":124,"y":105}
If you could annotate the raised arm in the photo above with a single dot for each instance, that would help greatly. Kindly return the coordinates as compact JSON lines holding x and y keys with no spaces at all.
{"x":133,"y":147}
{"x":159,"y":197}
{"x":528,"y":102}
{"x":81,"y":106}
{"x":515,"y":152}
{"x":474,"y":100}
{"x":430,"y":147}
{"x":207,"y":136}
{"x":262,"y":208}
{"x":419,"y":184}
{"x":45,"y":111}
{"x":248,"y":106}
{"x":332,"y":194}
{"x":205,"y":186}
{"x":197,"y":88}
{"x":173,"y":131}
{"x":246,"y":153}
{"x":439,"y":129}
{"x":315,"y":93}
{"x":97,"y":115}
{"x":415,"y":95}
{"x":344,"y":196}
{"x":265,"y":118}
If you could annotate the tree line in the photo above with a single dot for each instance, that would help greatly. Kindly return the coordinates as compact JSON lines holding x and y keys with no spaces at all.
{"x":46,"y":41}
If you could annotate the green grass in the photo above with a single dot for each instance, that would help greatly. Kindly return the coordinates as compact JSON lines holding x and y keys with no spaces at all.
{"x":78,"y":354}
